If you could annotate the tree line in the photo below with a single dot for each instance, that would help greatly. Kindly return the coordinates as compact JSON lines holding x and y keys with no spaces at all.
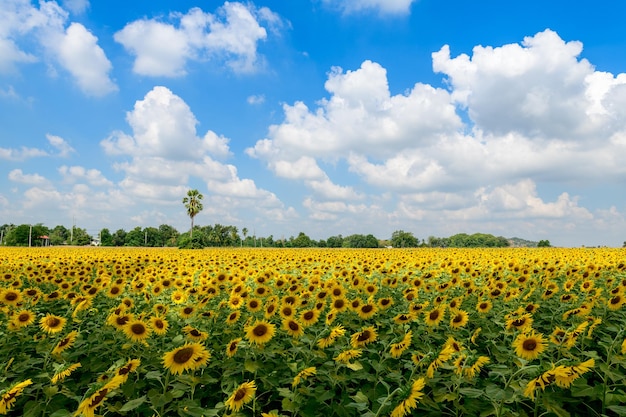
{"x":219,"y":235}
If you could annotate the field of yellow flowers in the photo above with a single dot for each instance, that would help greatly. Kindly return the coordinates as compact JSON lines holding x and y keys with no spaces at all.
{"x":270,"y":332}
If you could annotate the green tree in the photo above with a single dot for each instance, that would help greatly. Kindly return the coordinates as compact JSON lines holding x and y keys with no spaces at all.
{"x":244,"y":232}
{"x":334,"y":241}
{"x":402,"y":239}
{"x":193,"y":205}
{"x":106,"y":238}
{"x":169,"y":235}
{"x":135,"y":237}
{"x":26,"y":234}
{"x":59,"y":235}
{"x":302,"y":241}
{"x":544,"y":244}
{"x":119,"y":237}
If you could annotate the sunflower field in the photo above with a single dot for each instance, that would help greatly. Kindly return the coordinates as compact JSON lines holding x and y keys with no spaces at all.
{"x":311,"y":332}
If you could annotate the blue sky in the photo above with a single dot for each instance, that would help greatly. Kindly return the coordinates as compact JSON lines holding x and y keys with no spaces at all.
{"x":322,"y":116}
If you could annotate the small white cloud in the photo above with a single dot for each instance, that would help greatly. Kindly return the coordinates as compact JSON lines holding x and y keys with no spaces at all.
{"x":17,"y":175}
{"x":63,"y":148}
{"x":231,"y":35}
{"x":77,"y":173}
{"x":256,"y":99}
{"x":76,"y":6}
{"x":384,"y":7}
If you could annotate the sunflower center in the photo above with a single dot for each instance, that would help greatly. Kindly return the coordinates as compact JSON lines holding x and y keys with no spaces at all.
{"x":458,"y":318}
{"x":138,"y":328}
{"x":122,"y":320}
{"x":518,"y":322}
{"x":232,"y":347}
{"x":188,"y":310}
{"x":254,"y":304}
{"x":115,"y":290}
{"x":260,"y":330}
{"x":616,"y":299}
{"x":158,"y":324}
{"x":385,"y":301}
{"x":365,"y":335}
{"x":367,"y":308}
{"x":64,"y":342}
{"x":308,"y":315}
{"x":98,"y":398}
{"x":239,"y":395}
{"x":53,"y":322}
{"x":195,"y":333}
{"x":339,"y":303}
{"x":293,"y":325}
{"x":24,"y":317}
{"x":434,"y":315}
{"x":10,"y":296}
{"x":529,"y":345}
{"x":183,"y":355}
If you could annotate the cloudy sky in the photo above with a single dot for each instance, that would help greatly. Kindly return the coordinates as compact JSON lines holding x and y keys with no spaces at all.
{"x":322,"y":116}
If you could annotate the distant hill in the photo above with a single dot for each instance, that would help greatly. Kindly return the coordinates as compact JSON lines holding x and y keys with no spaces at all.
{"x":518,"y":242}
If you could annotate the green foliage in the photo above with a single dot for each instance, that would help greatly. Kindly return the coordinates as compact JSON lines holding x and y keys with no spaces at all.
{"x":402,"y":239}
{"x":544,"y":244}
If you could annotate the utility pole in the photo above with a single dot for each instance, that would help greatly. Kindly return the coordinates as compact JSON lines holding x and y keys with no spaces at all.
{"x":30,"y":234}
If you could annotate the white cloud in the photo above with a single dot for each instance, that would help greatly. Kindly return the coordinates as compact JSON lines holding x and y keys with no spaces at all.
{"x":63,"y":150}
{"x":166,"y":154}
{"x":78,"y":173}
{"x":75,"y":48}
{"x":231,"y":35}
{"x":78,"y":52}
{"x":164,"y":126}
{"x":256,"y":99}
{"x":381,"y":6}
{"x":76,"y":6}
{"x":18,"y":176}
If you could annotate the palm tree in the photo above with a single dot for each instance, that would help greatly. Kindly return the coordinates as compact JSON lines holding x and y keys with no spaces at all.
{"x":244,"y":231}
{"x":193,"y":205}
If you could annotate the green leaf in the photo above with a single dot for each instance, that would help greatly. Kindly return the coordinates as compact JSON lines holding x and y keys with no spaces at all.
{"x":356,"y":366}
{"x":251,"y":366}
{"x":153,"y":375}
{"x":471,"y":392}
{"x":620,"y":410}
{"x":359,"y":397}
{"x":61,"y":413}
{"x":132,"y":404}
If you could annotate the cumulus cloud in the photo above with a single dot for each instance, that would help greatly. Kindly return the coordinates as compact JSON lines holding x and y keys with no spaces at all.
{"x":72,"y":46}
{"x":538,"y":114}
{"x":231,"y":35}
{"x":61,"y":149}
{"x":387,"y":7}
{"x":18,"y":176}
{"x":166,"y":154}
{"x":77,"y":173}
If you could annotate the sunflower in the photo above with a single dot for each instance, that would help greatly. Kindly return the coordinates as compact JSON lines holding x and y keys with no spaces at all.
{"x":459,"y":319}
{"x":473,"y":370}
{"x":190,"y":356}
{"x":403,"y":318}
{"x":195,"y":334}
{"x":286,"y":311}
{"x":519,"y":323}
{"x":260,"y":332}
{"x":309,"y":317}
{"x":137,"y":330}
{"x":366,"y":311}
{"x":8,"y":397}
{"x":52,"y":324}
{"x":339,"y":304}
{"x":127,"y":368}
{"x":88,"y":406}
{"x":385,"y":302}
{"x":616,"y":302}
{"x":254,"y":304}
{"x":64,"y":372}
{"x":397,"y":349}
{"x":364,"y":337}
{"x":293,"y":328}
{"x":243,"y":394}
{"x":115,"y":291}
{"x":484,"y":306}
{"x":434,"y":316}
{"x":65,"y":343}
{"x":302,"y":375}
{"x":233,"y":317}
{"x":232,"y":346}
{"x":347,"y":355}
{"x":412,"y":397}
{"x":119,"y":321}
{"x":186,"y":312}
{"x":11,"y":297}
{"x":23,"y":318}
{"x":159,"y":325}
{"x":529,"y":346}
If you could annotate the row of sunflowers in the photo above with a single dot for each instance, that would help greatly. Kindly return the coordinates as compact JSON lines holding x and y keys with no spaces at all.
{"x":269,"y":332}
